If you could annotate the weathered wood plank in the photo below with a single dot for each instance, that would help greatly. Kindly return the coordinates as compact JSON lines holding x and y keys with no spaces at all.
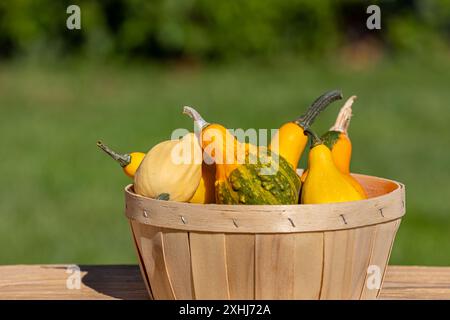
{"x":125,"y":282}
{"x":416,"y":282}
{"x":49,"y":282}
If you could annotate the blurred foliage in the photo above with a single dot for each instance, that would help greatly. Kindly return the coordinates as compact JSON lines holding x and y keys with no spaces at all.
{"x":213,"y":30}
{"x":61,"y":199}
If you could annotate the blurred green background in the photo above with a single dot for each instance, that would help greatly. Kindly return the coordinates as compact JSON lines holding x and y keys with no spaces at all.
{"x":126,"y":74}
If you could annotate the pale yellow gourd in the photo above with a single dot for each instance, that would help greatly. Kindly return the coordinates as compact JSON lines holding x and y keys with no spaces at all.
{"x":171,"y":170}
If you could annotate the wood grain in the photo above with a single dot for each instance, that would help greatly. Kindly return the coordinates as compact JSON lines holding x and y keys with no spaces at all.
{"x":178,"y":262}
{"x":381,"y":251}
{"x":337,"y":256}
{"x":135,"y":233}
{"x":274,"y":266}
{"x":346,"y":258}
{"x":308,"y":263}
{"x":44,"y":282}
{"x":41,"y":282}
{"x":360,"y":259}
{"x":150,"y":240}
{"x":241,"y":265}
{"x":209,"y":266}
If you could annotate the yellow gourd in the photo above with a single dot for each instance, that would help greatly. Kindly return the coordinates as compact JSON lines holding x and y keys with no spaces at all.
{"x":171,"y":170}
{"x":130,"y":161}
{"x":205,"y":192}
{"x":338,"y":141}
{"x":324,"y":182}
{"x":290,"y":140}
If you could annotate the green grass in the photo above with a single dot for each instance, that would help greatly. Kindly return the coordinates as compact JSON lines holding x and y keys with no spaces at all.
{"x":61,"y":200}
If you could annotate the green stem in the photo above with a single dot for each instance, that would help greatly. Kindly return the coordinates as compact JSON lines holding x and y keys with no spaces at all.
{"x":315,"y":140}
{"x":306,"y":120}
{"x":163,"y":196}
{"x":122,"y":159}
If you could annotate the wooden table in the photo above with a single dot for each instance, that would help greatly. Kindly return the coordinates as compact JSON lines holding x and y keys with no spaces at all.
{"x":124,"y":282}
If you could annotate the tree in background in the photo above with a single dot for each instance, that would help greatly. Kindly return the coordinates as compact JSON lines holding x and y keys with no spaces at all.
{"x":217,"y":30}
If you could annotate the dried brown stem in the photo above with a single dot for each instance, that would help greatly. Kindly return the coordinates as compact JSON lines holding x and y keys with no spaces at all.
{"x":345,"y":114}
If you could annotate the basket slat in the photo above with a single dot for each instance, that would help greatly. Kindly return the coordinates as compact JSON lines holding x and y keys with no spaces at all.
{"x":360,"y":259}
{"x":178,"y":261}
{"x":274,"y":266}
{"x":381,"y":250}
{"x":308,"y":261}
{"x":241,"y":265}
{"x":336,"y":252}
{"x":151,"y":244}
{"x":208,"y":261}
{"x":134,"y":232}
{"x":346,"y":255}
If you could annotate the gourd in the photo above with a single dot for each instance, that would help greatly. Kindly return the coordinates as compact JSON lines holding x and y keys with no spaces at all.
{"x":245,"y":174}
{"x":205,"y":192}
{"x":130,"y":161}
{"x":290,"y":140}
{"x":171,"y":170}
{"x":337,"y":139}
{"x":324,"y":182}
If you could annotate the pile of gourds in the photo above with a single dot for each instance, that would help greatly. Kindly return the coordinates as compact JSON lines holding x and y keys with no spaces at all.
{"x":220,"y":174}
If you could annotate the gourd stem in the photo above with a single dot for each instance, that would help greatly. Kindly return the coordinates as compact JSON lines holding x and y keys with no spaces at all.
{"x":315,"y":140}
{"x":122,"y":159}
{"x":344,"y":116}
{"x":306,"y":120}
{"x":199,"y":122}
{"x":163,"y":196}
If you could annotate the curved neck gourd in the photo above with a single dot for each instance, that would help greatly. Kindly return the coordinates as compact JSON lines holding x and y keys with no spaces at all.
{"x":218,"y":143}
{"x":290,"y":139}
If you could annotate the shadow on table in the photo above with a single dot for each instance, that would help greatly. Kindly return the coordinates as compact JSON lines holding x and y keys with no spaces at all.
{"x":120,"y":282}
{"x":116,"y":282}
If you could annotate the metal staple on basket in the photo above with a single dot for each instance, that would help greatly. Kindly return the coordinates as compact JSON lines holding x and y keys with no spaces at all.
{"x":292,"y":222}
{"x":343,"y":218}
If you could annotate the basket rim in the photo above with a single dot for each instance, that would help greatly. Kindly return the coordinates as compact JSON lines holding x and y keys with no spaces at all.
{"x":269,"y":218}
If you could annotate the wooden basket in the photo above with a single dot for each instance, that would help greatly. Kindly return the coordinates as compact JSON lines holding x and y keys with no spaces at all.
{"x":194,"y":251}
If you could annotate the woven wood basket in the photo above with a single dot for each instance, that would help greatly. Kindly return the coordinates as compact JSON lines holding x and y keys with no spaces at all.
{"x":194,"y":251}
